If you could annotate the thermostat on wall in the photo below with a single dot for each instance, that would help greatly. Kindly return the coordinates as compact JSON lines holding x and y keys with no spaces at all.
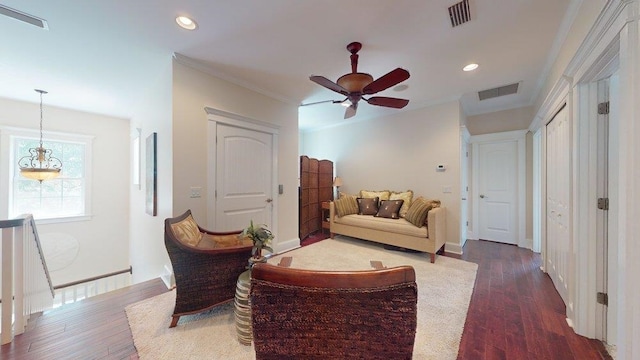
{"x":441,"y":167}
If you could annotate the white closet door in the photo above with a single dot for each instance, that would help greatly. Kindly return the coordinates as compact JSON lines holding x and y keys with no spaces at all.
{"x":558,"y":198}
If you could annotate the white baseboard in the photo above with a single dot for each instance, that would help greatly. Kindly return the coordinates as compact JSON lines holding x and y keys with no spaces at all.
{"x":167,"y":277}
{"x":288,"y":245}
{"x":453,"y":248}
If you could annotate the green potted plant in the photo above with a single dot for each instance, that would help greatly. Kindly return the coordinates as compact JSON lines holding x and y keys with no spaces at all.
{"x":261,"y":237}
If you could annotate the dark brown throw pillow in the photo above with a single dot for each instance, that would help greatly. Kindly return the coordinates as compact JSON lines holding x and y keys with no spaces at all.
{"x":367,"y":206}
{"x":390,"y":209}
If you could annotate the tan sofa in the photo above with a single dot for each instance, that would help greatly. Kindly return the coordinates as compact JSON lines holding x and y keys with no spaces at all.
{"x":397,"y":232}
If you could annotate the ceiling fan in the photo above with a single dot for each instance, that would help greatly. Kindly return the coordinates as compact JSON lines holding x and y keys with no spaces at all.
{"x":355,"y":84}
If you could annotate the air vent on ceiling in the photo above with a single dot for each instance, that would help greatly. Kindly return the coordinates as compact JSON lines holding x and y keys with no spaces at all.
{"x":459,"y":13}
{"x":19,"y":15}
{"x":498,"y":91}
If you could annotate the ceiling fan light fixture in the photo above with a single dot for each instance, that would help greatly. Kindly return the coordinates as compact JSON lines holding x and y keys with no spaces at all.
{"x":355,"y":82}
{"x":470,"y":67}
{"x":186,"y":22}
{"x":345,"y":103}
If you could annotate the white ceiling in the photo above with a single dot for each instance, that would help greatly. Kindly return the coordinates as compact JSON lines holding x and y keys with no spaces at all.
{"x":95,"y":51}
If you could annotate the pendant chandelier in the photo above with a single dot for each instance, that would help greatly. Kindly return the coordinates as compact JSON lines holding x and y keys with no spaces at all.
{"x":40,"y":164}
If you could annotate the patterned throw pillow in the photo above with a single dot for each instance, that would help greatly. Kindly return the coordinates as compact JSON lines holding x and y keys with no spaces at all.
{"x":187,"y":231}
{"x":367,"y":206}
{"x":390,"y":209}
{"x":346,"y":205}
{"x":407,"y":196}
{"x":417,"y":213}
{"x":381,"y":195}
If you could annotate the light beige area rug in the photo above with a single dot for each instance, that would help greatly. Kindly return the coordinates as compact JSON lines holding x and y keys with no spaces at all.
{"x":444,"y":292}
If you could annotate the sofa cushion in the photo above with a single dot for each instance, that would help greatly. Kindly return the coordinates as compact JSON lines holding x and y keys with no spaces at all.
{"x":392,"y":226}
{"x":381,"y":195}
{"x":346,"y":205}
{"x":187,"y":231}
{"x":367,"y":206}
{"x":417,"y":213}
{"x":406,"y":196}
{"x":390,"y":209}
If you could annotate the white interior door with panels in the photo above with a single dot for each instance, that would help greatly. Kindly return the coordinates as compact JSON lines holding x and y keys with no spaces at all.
{"x":499,"y":187}
{"x":241,"y":172}
{"x":558,"y":202}
{"x":464,"y":182}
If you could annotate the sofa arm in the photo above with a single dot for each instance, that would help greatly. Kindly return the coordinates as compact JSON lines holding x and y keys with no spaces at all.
{"x":437,"y":226}
{"x":332,"y":211}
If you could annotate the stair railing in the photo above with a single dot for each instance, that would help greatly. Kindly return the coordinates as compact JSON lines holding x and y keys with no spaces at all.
{"x":26,"y":285}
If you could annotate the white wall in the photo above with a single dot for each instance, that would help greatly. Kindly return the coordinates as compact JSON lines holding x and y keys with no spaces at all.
{"x":152,"y":114}
{"x":398,"y":152}
{"x":193,"y":90}
{"x":99,"y":245}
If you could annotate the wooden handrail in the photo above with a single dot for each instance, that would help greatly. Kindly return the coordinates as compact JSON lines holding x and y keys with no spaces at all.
{"x":94,"y":278}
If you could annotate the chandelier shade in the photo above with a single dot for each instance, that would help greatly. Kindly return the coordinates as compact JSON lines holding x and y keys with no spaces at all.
{"x":40,"y":164}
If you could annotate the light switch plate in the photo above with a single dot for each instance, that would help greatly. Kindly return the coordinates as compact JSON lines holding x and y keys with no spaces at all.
{"x":196,"y":192}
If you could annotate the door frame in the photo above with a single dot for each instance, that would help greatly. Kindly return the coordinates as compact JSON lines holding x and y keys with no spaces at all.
{"x":615,"y":33}
{"x":520,"y":137}
{"x":214,"y":117}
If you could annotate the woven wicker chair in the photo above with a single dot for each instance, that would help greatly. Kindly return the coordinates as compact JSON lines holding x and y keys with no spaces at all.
{"x":206,"y":264}
{"x":304,"y":314}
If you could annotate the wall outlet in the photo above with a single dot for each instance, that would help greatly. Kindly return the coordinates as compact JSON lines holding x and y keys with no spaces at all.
{"x":446,"y":189}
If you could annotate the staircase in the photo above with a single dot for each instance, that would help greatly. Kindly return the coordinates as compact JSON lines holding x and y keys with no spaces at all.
{"x":25,"y":286}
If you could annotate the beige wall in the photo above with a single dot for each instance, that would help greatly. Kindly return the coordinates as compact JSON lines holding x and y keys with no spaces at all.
{"x":398,"y":152}
{"x":586,"y":16}
{"x":102,"y":241}
{"x":193,"y":90}
{"x":499,"y":121}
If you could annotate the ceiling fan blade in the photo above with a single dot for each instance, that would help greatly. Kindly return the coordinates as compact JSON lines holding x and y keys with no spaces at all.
{"x":351,"y":111}
{"x":323,"y":81}
{"x":321,"y":102}
{"x":388,"y":102}
{"x":386,"y":81}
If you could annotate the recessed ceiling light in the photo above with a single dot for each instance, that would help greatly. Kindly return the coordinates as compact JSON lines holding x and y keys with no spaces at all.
{"x":401,"y":87}
{"x":186,"y":23}
{"x":470,"y":67}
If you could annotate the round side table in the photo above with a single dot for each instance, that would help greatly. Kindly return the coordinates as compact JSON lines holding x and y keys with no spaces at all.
{"x":243,"y":309}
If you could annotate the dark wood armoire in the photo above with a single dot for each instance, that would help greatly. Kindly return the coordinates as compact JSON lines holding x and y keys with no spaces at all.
{"x":316,"y":186}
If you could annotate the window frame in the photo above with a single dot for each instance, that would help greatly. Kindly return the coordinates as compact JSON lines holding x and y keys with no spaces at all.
{"x":9,"y":135}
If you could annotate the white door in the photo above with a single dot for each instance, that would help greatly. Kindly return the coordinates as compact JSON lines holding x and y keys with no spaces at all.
{"x":243,"y":177}
{"x":558,"y":198}
{"x":464,"y":188}
{"x":497,"y":193}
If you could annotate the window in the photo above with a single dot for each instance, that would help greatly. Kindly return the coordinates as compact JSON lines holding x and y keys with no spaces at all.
{"x":66,"y":196}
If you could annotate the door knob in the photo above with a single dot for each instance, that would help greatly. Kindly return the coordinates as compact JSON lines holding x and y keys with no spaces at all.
{"x":482,"y":196}
{"x":269,"y":200}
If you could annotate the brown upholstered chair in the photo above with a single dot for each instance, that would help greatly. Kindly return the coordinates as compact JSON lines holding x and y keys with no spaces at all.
{"x":304,"y":314}
{"x":206,"y":264}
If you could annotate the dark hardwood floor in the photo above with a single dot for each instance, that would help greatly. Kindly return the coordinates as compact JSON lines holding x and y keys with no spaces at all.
{"x":95,"y":328}
{"x":515,"y":313}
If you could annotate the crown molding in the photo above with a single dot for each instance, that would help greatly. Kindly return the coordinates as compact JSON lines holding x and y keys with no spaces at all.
{"x":208,"y":69}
